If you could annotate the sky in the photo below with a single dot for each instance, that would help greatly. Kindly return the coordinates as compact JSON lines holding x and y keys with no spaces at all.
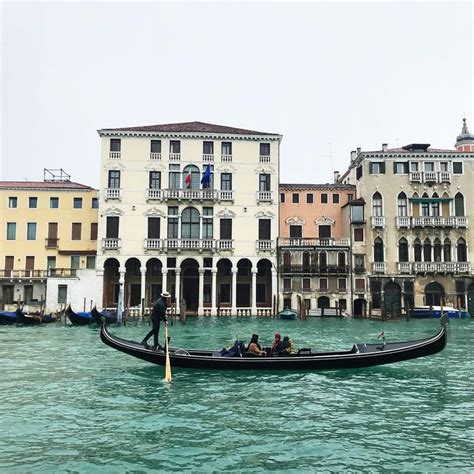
{"x":328,"y":76}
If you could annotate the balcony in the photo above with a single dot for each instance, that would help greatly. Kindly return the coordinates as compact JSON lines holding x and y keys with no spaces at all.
{"x":188,"y":244}
{"x":111,"y":243}
{"x":444,"y":177}
{"x":16,"y":274}
{"x":264,"y":196}
{"x":315,"y":269}
{"x":174,"y":157}
{"x":153,"y":244}
{"x":430,"y":177}
{"x":378,"y":267}
{"x":154,"y":194}
{"x":62,"y":272}
{"x":51,"y":242}
{"x":403,"y":222}
{"x":265,"y":158}
{"x":265,"y":246}
{"x":113,"y":193}
{"x":441,"y":267}
{"x":404,"y":267}
{"x":439,"y":221}
{"x":314,"y":242}
{"x":155,"y":156}
{"x":224,"y":244}
{"x":115,"y":155}
{"x":378,"y":222}
{"x":226,"y":158}
{"x":208,"y":158}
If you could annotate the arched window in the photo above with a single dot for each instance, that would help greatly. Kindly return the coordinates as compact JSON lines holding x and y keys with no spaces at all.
{"x":323,"y":259}
{"x":459,"y":205}
{"x":435,"y":205}
{"x":306,"y":261}
{"x":437,"y":250}
{"x":462,"y":250}
{"x":402,"y":204}
{"x":378,"y":250}
{"x":190,"y":223}
{"x":425,"y":206}
{"x":427,"y":250}
{"x":417,"y":250}
{"x":377,"y":209}
{"x":341,"y":259}
{"x":447,"y":250}
{"x":286,"y":259}
{"x":403,"y":250}
{"x":191,"y":177}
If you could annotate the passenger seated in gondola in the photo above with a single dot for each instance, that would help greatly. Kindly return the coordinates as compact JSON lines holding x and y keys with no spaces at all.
{"x":254,"y":348}
{"x":275,"y":342}
{"x":283,"y":348}
{"x":236,"y":350}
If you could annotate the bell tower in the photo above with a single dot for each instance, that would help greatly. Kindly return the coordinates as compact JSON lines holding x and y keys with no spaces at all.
{"x":465,"y":141}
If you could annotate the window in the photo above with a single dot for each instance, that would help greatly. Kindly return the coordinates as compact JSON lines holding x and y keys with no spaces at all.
{"x":435,"y":206}
{"x":286,"y":284}
{"x":175,"y":146}
{"x":226,"y":181}
{"x":402,"y":204}
{"x":378,"y":250}
{"x":226,"y":148}
{"x":350,"y":197}
{"x":153,"y":227}
{"x":282,"y":197}
{"x":94,"y":227}
{"x":62,"y":294}
{"x":428,"y":166}
{"x":357,"y":214}
{"x":437,"y":250}
{"x":31,"y":231}
{"x":75,"y":262}
{"x":443,"y":166}
{"x":264,"y":227}
{"x":112,"y":227}
{"x":459,"y":205}
{"x":335,"y":198}
{"x":207,"y":223}
{"x":341,"y":260}
{"x":324,"y":231}
{"x":296,"y":231}
{"x":224,"y":295}
{"x":377,"y":209}
{"x":417,"y":250}
{"x":12,"y":202}
{"x":264,"y":182}
{"x":90,"y":262}
{"x":54,"y":202}
{"x":29,"y":264}
{"x":425,"y":206}
{"x":33,"y":202}
{"x":341,"y":284}
{"x":359,"y":172}
{"x":400,"y":167}
{"x":462,"y":250}
{"x":359,"y":235}
{"x":114,"y":179}
{"x":155,"y":146}
{"x":309,"y":198}
{"x":76,"y":231}
{"x":413,"y":166}
{"x":190,"y":223}
{"x":323,"y":259}
{"x":359,"y":262}
{"x":208,"y":148}
{"x":174,"y":176}
{"x":377,"y":167}
{"x":360,"y":284}
{"x":225,"y":229}
{"x":172,"y":222}
{"x":323,"y":284}
{"x":50,"y":263}
{"x":307,"y":284}
{"x":295,"y":198}
{"x":95,"y":203}
{"x":115,"y":144}
{"x":11,"y":230}
{"x":77,"y":203}
{"x":447,"y":250}
{"x":324,"y":198}
{"x":457,"y":167}
{"x":403,"y":250}
{"x":264,"y":149}
{"x":154,"y":180}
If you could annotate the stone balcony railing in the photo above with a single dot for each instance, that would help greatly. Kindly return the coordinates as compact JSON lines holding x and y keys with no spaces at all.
{"x":378,"y":222}
{"x":264,"y":196}
{"x":196,"y":194}
{"x":312,"y":242}
{"x":113,"y":193}
{"x":155,"y":156}
{"x":153,"y":244}
{"x":154,"y":194}
{"x":265,"y":158}
{"x":174,"y":156}
{"x":226,"y":158}
{"x":441,"y":267}
{"x":214,"y":245}
{"x":115,"y":155}
{"x":431,"y":221}
{"x":265,"y":245}
{"x":430,"y":177}
{"x":111,"y":243}
{"x":378,"y":267}
{"x":207,"y":158}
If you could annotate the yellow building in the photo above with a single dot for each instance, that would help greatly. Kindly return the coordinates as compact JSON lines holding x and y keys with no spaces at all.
{"x":49,"y":232}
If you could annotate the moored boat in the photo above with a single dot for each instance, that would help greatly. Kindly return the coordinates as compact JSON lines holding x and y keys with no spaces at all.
{"x":437,"y":311}
{"x":288,"y":313}
{"x":79,"y":319}
{"x":360,"y":355}
{"x":110,"y":316}
{"x":28,"y":319}
{"x":7,"y":317}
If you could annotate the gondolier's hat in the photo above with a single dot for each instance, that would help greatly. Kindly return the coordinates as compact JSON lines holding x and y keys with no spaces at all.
{"x":165,"y":294}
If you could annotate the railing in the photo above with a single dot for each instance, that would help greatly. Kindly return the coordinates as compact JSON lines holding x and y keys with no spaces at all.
{"x":62,"y":272}
{"x":265,"y":245}
{"x":208,"y":158}
{"x":430,"y":176}
{"x":378,"y":221}
{"x":441,"y":267}
{"x":188,"y":244}
{"x":404,"y":267}
{"x":265,"y":158}
{"x":23,"y":273}
{"x":379,"y":267}
{"x":197,"y":194}
{"x":224,"y":244}
{"x":175,"y":156}
{"x":444,"y":177}
{"x":51,"y":242}
{"x":155,"y":194}
{"x":416,"y":176}
{"x":115,"y":155}
{"x":226,"y":158}
{"x":402,"y":221}
{"x":431,"y":221}
{"x":315,"y":242}
{"x":113,"y":193}
{"x":315,"y":269}
{"x":155,"y":156}
{"x":225,"y":195}
{"x":263,"y":196}
{"x":111,"y":243}
{"x":153,"y":244}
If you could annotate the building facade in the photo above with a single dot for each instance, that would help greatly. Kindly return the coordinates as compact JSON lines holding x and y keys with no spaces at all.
{"x":48,"y":242}
{"x":313,"y":248}
{"x":191,"y":208}
{"x":409,"y":227}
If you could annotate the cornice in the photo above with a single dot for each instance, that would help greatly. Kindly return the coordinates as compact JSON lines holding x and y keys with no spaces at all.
{"x":295,"y":220}
{"x":154,"y":212}
{"x":264,"y":213}
{"x":113,"y":211}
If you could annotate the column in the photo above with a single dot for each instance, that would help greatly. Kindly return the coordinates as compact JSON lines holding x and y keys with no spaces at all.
{"x":234,"y":291}
{"x":254,"y":291}
{"x":142,"y":290}
{"x":99,"y":297}
{"x":214,"y":292}
{"x":201,"y":292}
{"x":275,"y":290}
{"x":177,"y":291}
{"x":164,"y":279}
{"x":121,"y":295}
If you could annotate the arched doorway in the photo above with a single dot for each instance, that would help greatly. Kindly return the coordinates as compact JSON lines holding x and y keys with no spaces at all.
{"x":154,"y":281}
{"x":190,"y":284}
{"x":224,"y":284}
{"x":359,"y":307}
{"x":470,"y":299}
{"x":111,"y":283}
{"x":392,"y":298}
{"x":132,"y":283}
{"x":264,"y":283}
{"x":244,"y":281}
{"x":434,"y":294}
{"x":323,"y":302}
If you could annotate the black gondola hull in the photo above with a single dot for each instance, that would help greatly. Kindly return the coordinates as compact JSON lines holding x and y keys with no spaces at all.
{"x":109,"y":316}
{"x":361,"y":355}
{"x":78,"y":319}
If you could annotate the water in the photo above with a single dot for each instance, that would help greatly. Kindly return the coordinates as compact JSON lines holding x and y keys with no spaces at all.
{"x":68,"y":403}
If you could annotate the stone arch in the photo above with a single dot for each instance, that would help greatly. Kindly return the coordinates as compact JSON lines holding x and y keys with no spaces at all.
{"x":244,"y":283}
{"x":110,"y":283}
{"x":154,"y":280}
{"x":392,"y":298}
{"x":194,"y":178}
{"x":132,"y":286}
{"x":264,"y":283}
{"x":377,"y":204}
{"x":323,"y":302}
{"x":190,"y":284}
{"x":403,"y":255}
{"x":435,"y":294}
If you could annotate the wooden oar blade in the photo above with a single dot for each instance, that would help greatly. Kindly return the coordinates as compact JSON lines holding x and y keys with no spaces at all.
{"x":168,"y":363}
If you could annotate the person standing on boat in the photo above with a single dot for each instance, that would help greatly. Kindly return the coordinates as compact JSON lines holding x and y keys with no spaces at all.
{"x":158,"y":314}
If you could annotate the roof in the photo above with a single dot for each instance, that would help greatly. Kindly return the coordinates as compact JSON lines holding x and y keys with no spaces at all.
{"x":327,"y":186}
{"x":411,"y":151}
{"x":43,"y":185}
{"x":193,"y":127}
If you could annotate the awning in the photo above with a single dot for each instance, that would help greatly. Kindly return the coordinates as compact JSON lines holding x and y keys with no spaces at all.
{"x":430,"y":200}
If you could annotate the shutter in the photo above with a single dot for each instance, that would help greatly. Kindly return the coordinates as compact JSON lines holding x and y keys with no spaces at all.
{"x":112,"y":230}
{"x":153,"y":227}
{"x":226,"y":229}
{"x":264,"y":229}
{"x":94,"y":231}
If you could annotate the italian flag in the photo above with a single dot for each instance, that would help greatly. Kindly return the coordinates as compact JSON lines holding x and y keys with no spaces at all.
{"x":187,"y":180}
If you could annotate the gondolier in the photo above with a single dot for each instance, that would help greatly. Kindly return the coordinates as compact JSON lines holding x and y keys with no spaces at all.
{"x":158,"y":314}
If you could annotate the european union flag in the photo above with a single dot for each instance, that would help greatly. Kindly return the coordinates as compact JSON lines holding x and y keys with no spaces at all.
{"x":206,"y":177}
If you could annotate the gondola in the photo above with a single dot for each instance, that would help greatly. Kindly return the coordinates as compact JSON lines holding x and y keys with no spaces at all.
{"x":360,"y":355}
{"x":110,"y":316}
{"x":28,"y":319}
{"x":288,"y":313}
{"x":79,"y":319}
{"x":7,"y":317}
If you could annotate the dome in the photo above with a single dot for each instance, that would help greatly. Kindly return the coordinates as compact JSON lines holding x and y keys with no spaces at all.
{"x":465,"y":136}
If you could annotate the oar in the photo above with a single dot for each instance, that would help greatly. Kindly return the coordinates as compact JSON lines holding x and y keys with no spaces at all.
{"x":168,"y":364}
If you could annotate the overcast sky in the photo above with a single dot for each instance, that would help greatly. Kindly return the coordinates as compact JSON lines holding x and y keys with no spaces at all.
{"x":329,"y":77}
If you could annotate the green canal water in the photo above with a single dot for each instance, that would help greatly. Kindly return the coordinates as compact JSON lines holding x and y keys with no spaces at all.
{"x":68,"y":403}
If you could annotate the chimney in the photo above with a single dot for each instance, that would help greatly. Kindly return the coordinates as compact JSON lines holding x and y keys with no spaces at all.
{"x":359,"y":149}
{"x":336,"y":177}
{"x":353,"y":155}
{"x":384,"y":147}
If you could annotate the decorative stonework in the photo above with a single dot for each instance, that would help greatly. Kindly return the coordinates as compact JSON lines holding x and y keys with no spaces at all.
{"x":154,"y":212}
{"x":264,"y":213}
{"x":227,"y":168}
{"x":155,"y":167}
{"x":113,"y":211}
{"x":265,"y":169}
{"x":295,"y":221}
{"x":226,"y":213}
{"x":324,"y":220}
{"x":114,"y":166}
